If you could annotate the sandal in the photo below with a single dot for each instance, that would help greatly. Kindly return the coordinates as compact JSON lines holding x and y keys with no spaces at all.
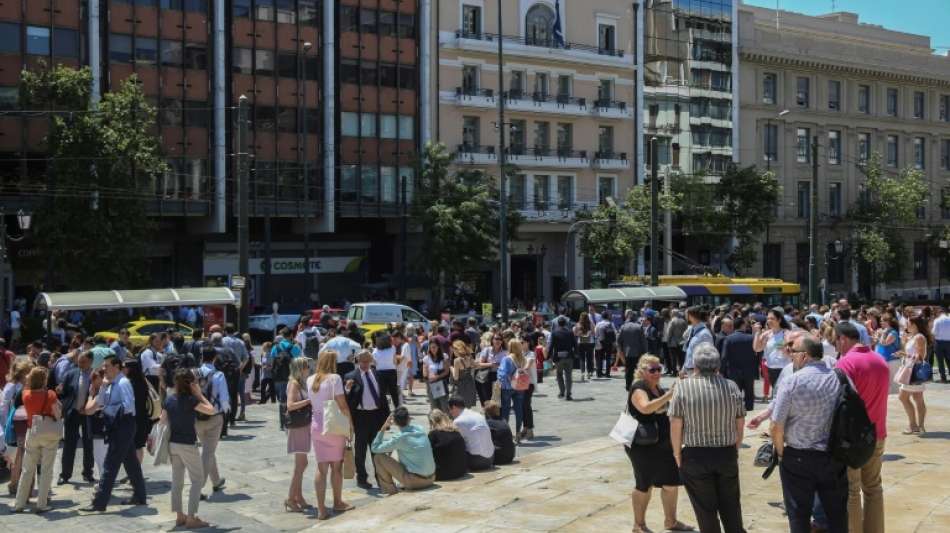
{"x":910,"y":431}
{"x":679,"y":526}
{"x":324,"y":515}
{"x":343,"y":508}
{"x":641,"y":528}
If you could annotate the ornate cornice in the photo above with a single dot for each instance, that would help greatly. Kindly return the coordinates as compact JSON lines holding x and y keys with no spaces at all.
{"x":767,"y":58}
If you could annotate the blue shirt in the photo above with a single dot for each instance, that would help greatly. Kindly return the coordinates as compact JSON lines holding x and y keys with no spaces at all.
{"x":413,"y":446}
{"x":286,"y":345}
{"x":117,"y":398}
{"x":699,"y":334}
{"x":863,"y":332}
{"x":506,"y":369}
{"x":62,"y":365}
{"x":219,"y":388}
{"x":887,"y":350}
{"x":120,"y":352}
{"x":805,"y":404}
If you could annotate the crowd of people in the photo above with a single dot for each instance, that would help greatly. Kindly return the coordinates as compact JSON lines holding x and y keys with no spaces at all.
{"x":342,"y":394}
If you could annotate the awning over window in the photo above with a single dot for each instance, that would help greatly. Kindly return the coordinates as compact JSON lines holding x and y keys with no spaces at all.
{"x":625,"y":294}
{"x":68,"y":301}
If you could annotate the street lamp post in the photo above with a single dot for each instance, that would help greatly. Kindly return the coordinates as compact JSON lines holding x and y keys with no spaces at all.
{"x":502,"y":179}
{"x":306,"y":175}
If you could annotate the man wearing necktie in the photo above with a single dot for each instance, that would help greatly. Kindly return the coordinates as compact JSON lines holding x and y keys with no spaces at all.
{"x":370,"y":411}
{"x":73,"y":394}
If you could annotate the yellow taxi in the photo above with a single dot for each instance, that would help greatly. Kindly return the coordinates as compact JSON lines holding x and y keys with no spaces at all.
{"x":139,"y":330}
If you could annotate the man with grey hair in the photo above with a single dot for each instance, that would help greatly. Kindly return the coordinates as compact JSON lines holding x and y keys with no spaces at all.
{"x":706,"y":421}
{"x":801,"y":426}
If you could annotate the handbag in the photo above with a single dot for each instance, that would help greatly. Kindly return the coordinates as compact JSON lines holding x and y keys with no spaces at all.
{"x":903,"y":374}
{"x":482,"y":375}
{"x":625,"y":429}
{"x":521,"y":381}
{"x":9,"y":432}
{"x":923,"y":373}
{"x":349,"y":464}
{"x":646,"y":435}
{"x":299,"y":418}
{"x":334,"y":421}
{"x":45,"y":426}
{"x":766,"y":457}
{"x":437,"y":389}
{"x":162,"y":444}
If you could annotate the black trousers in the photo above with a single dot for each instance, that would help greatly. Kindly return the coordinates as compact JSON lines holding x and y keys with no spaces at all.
{"x":585,"y":354}
{"x":478,"y":463}
{"x":629,"y":369}
{"x":233,"y":381}
{"x":942,"y":351}
{"x":72,"y":425}
{"x":484,"y":389}
{"x":774,"y":373}
{"x":674,"y":359}
{"x":747,"y":385}
{"x":711,"y":478}
{"x":268,"y":390}
{"x":388,"y":384}
{"x":603,"y":358}
{"x":121,"y":453}
{"x":528,"y":412}
{"x":806,"y":473}
{"x":366,"y":425}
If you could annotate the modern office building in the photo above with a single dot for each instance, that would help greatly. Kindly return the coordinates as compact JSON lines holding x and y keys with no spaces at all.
{"x":859,"y":88}
{"x":569,"y":85}
{"x":333,"y":101}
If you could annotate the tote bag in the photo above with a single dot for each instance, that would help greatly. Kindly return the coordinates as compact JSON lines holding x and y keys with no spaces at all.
{"x":625,"y":430}
{"x":437,"y":389}
{"x":349,"y":464}
{"x":334,"y":421}
{"x":904,"y":373}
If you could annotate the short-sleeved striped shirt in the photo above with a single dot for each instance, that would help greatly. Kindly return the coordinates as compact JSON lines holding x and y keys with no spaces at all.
{"x":709,"y":407}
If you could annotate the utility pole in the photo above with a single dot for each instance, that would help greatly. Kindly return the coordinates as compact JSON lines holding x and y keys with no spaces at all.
{"x":306,"y":175}
{"x":813,"y":226}
{"x":654,"y":215}
{"x":242,"y":195}
{"x":403,"y":234}
{"x":502,"y":179}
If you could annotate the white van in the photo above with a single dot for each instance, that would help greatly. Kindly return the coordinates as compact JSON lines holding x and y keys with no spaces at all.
{"x":381,"y":313}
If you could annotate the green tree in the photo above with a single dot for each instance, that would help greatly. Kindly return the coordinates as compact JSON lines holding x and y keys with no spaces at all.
{"x":93,"y":225}
{"x":459,"y":218}
{"x":621,"y":229}
{"x":888,"y":203}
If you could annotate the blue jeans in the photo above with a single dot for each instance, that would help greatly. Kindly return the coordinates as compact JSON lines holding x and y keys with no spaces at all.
{"x":509,"y":396}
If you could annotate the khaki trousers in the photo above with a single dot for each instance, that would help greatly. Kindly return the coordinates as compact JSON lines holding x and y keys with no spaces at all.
{"x":186,"y":457}
{"x":869,"y":517}
{"x":209,"y":433}
{"x":37,"y":451}
{"x":388,"y":469}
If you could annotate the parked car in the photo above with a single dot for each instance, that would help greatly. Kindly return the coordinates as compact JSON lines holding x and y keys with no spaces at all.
{"x":337,"y":316}
{"x":381,"y":313}
{"x":139,"y":331}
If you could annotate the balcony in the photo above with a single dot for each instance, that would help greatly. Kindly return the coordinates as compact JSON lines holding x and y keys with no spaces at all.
{"x":552,"y":210}
{"x":605,"y":108}
{"x":468,"y":154}
{"x":541,"y":49}
{"x":545,"y":103}
{"x":475,"y":97}
{"x":546,"y":158}
{"x":610,"y":160}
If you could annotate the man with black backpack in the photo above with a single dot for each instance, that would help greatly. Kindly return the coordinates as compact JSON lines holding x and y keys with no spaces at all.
{"x":208,"y":428}
{"x":280,"y":356}
{"x":232,"y":366}
{"x":802,"y":415}
{"x":172,"y":362}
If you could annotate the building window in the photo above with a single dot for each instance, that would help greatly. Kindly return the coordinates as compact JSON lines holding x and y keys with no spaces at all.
{"x":146,"y":51}
{"x":287,"y":65}
{"x":241,"y":8}
{"x":945,"y":203}
{"x":306,"y":11}
{"x":803,"y":137}
{"x":243,"y":61}
{"x":802,"y":92}
{"x":834,"y":147}
{"x":120,"y":48}
{"x":565,"y":139}
{"x":471,"y":20}
{"x":517,"y":137}
{"x":802,"y":253}
{"x":834,"y":199}
{"x":469,"y":80}
{"x":605,"y":93}
{"x":388,"y":124}
{"x":864,"y":99}
{"x":542,"y":192}
{"x":834,"y":95}
{"x":919,"y":104}
{"x":864,"y":146}
{"x":517,"y":192}
{"x":605,"y":142}
{"x":804,"y":199}
{"x":606,"y":188}
{"x":9,"y":38}
{"x":172,"y":53}
{"x":540,"y":86}
{"x":539,"y":25}
{"x":945,"y":154}
{"x":516,"y":84}
{"x":836,"y":264}
{"x":920,"y":153}
{"x":920,"y":260}
{"x":892,"y":149}
{"x":770,"y":143}
{"x":565,"y":192}
{"x":542,"y":138}
{"x":564,"y":88}
{"x":65,"y":43}
{"x":945,"y":107}
{"x":892,"y":102}
{"x":769,"y":84}
{"x":772,"y":260}
{"x":265,"y":62}
{"x":606,"y":38}
{"x":196,"y":56}
{"x":349,"y":19}
{"x":286,"y":12}
{"x":407,"y":127}
{"x":37,"y":40}
{"x":9,"y":97}
{"x":368,"y":20}
{"x":471,"y":135}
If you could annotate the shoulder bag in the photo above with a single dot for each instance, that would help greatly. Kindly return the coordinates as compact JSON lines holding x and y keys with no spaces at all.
{"x":301,"y":416}
{"x":625,"y":429}
{"x":45,"y":426}
{"x":903,"y":375}
{"x":334,"y":421}
{"x":521,"y":381}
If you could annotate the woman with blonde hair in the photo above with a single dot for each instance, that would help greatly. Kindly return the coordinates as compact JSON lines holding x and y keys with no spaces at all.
{"x":509,"y":377}
{"x":653,"y":463}
{"x":325,"y":385}
{"x":16,"y":379}
{"x":463,"y":373}
{"x":298,"y":430}
{"x":448,"y":447}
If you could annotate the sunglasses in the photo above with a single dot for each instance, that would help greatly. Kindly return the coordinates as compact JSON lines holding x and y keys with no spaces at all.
{"x":655,"y":370}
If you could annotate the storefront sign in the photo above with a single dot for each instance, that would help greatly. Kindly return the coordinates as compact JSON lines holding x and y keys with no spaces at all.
{"x":225,"y":265}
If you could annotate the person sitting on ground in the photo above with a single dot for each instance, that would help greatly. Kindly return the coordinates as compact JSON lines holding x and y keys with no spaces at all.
{"x":500,"y":434}
{"x":474,"y":429}
{"x":448,"y":447}
{"x":415,"y":468}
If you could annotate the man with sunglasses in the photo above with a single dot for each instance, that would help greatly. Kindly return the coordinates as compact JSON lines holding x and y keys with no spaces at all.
{"x":801,"y":426}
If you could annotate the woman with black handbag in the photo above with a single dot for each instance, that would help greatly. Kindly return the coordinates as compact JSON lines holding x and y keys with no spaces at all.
{"x":299,"y":413}
{"x":652,"y":452}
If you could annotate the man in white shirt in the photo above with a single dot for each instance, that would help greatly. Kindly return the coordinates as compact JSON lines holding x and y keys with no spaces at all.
{"x":474,"y":429}
{"x":151,"y":358}
{"x":346,"y":350}
{"x":941,"y":333}
{"x":15,"y":324}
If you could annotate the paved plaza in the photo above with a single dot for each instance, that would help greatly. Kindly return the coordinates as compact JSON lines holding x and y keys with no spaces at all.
{"x":571,"y":478}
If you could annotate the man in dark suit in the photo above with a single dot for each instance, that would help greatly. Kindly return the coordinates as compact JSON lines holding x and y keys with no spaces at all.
{"x":739,"y":361}
{"x":727,"y":327}
{"x":73,"y":393}
{"x":369,"y":409}
{"x":633,"y":343}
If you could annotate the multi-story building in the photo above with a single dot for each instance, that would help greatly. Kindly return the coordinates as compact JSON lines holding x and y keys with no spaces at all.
{"x":570,"y":101}
{"x":856,"y":88}
{"x":332,"y":93}
{"x":688,"y":110}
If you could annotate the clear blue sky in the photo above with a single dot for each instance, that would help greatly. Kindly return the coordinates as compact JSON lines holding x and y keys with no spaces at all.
{"x":923,"y":17}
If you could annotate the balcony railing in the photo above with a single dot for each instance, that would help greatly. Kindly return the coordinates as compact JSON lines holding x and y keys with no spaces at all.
{"x":606,"y":103}
{"x":610,"y":154}
{"x":475,"y":149}
{"x":470,"y":91}
{"x":541,"y":43}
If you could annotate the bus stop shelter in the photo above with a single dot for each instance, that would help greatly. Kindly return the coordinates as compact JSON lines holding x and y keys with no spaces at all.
{"x":89,"y":300}
{"x":624,"y":294}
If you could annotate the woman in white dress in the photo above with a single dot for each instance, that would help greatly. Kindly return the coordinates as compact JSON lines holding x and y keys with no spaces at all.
{"x":912,"y":395}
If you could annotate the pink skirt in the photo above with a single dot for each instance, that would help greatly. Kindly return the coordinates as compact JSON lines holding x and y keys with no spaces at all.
{"x":326,"y":448}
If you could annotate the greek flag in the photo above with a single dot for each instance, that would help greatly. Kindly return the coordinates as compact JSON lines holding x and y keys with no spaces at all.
{"x":558,"y":29}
